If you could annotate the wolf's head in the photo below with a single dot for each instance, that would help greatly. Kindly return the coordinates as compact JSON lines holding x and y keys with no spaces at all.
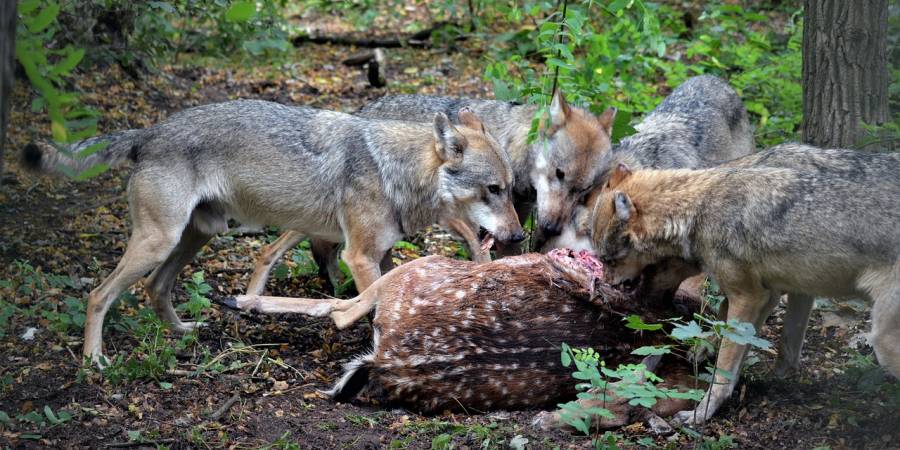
{"x":617,"y":232}
{"x":573,"y":141}
{"x":476,"y":178}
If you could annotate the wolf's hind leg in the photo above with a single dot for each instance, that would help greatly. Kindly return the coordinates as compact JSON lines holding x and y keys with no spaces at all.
{"x":884,"y":287}
{"x":159,"y":284}
{"x":796,"y":318}
{"x":148,"y":247}
{"x":327,"y":254}
{"x":267,"y":259}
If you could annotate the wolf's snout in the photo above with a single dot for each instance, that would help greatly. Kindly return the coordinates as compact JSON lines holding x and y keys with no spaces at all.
{"x":550,"y":229}
{"x":511,"y":235}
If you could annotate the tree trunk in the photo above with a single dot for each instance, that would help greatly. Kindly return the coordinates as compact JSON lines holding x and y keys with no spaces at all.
{"x":845,"y":76}
{"x":7,"y":63}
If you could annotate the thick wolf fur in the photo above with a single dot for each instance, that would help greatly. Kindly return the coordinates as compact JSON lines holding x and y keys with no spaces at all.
{"x":332,"y":176}
{"x":555,"y":171}
{"x":700,"y":124}
{"x":792,"y":219}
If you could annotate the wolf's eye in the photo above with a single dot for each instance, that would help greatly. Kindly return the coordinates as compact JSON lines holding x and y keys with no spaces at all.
{"x":494,"y":189}
{"x":560,"y":174}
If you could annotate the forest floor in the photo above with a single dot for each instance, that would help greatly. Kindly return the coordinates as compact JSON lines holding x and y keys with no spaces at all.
{"x":73,"y":233}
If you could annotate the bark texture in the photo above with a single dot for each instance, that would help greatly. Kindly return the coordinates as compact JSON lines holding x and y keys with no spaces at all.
{"x":845,"y":76}
{"x":7,"y":63}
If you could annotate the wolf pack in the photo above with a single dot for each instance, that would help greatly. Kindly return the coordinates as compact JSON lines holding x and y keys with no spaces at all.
{"x":687,"y":194}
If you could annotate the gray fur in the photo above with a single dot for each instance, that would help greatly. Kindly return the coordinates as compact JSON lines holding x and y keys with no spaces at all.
{"x":701,"y":123}
{"x":555,"y":171}
{"x":120,"y":145}
{"x":330,"y":176}
{"x":792,"y":219}
{"x":505,"y":121}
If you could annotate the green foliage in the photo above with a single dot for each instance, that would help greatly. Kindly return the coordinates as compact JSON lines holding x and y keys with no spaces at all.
{"x":630,"y":382}
{"x":46,"y":68}
{"x":31,"y":423}
{"x":197,"y":288}
{"x":637,"y":385}
{"x":615,"y":54}
{"x":153,"y":356}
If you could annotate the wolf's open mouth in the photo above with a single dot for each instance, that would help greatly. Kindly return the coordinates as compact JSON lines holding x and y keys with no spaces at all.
{"x":630,"y":285}
{"x":486,"y":238}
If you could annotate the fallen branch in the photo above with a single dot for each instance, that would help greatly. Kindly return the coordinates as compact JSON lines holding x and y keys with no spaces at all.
{"x":420,"y":39}
{"x":139,"y":443}
{"x":224,"y":408}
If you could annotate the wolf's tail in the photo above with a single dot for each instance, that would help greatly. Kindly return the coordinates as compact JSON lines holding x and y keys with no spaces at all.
{"x":121,"y":145}
{"x":354,"y":379}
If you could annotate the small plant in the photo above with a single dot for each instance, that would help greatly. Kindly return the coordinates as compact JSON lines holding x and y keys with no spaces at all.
{"x":31,"y":423}
{"x":631,"y":382}
{"x":154,"y":355}
{"x":302,"y":264}
{"x":197,"y":288}
{"x":637,"y":385}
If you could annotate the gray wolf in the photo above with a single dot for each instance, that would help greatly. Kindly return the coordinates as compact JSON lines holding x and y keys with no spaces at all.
{"x":328,"y":175}
{"x":700,"y":124}
{"x":555,"y":171}
{"x":761,"y":228}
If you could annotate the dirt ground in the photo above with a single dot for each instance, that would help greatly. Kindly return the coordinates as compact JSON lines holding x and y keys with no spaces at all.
{"x":275,"y":365}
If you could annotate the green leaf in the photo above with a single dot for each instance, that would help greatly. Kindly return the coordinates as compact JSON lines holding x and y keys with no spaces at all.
{"x":565,"y":355}
{"x":68,"y":63}
{"x":636,"y":323}
{"x":50,"y":416}
{"x":44,"y":18}
{"x":26,"y":7}
{"x":652,"y":350}
{"x":687,"y":331}
{"x":91,"y":172}
{"x":91,"y":149}
{"x":134,"y":435}
{"x":441,"y":442}
{"x":165,"y":385}
{"x":165,"y":6}
{"x":240,"y":11}
{"x":406,"y":246}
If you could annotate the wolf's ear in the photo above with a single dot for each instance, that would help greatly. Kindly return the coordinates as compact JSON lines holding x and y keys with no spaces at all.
{"x":623,"y":206}
{"x":450,"y":142}
{"x":468,"y":118}
{"x":559,"y":109}
{"x":606,"y":119}
{"x":619,"y":174}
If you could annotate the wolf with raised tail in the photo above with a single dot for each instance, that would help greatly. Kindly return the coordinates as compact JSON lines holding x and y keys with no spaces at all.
{"x":334,"y":177}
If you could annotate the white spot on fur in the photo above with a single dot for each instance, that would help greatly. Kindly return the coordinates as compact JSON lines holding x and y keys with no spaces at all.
{"x":485,"y":216}
{"x":460,"y":294}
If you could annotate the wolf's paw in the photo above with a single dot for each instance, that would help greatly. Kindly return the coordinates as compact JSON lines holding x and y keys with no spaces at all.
{"x":659,"y":426}
{"x":187,"y":327}
{"x":545,"y":420}
{"x":785,"y":369}
{"x":689,"y":417}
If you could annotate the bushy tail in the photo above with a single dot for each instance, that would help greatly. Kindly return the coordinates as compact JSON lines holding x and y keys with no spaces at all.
{"x":120,"y":145}
{"x":354,"y":380}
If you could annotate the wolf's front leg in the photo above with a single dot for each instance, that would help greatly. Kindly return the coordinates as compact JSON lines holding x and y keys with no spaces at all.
{"x":745,"y":305}
{"x":267,"y":259}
